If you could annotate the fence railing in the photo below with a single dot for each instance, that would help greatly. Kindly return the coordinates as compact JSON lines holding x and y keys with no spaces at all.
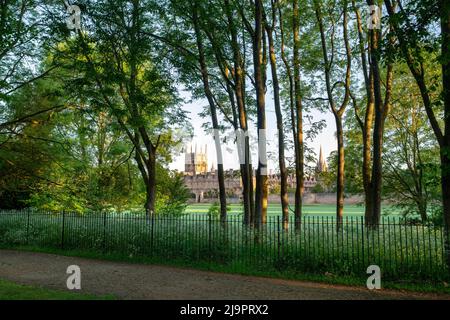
{"x":402,"y":251}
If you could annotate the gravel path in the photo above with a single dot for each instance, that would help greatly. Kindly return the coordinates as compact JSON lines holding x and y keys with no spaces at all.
{"x":137,"y":281}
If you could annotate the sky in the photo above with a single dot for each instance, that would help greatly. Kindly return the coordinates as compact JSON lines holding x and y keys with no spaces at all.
{"x":326,"y":138}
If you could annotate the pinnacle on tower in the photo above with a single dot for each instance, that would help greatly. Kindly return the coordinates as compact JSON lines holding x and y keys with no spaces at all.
{"x":321,"y":163}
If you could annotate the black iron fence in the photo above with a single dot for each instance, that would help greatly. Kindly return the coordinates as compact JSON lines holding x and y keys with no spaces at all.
{"x":402,"y":251}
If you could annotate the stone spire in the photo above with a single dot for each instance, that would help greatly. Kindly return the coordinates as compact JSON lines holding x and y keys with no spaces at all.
{"x":321,"y":164}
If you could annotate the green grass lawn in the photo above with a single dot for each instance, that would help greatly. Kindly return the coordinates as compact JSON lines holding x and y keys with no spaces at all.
{"x":318,"y":210}
{"x":12,"y":291}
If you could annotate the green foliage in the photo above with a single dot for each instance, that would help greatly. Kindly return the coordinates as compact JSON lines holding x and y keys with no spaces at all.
{"x":436,"y":216}
{"x":214,"y":210}
{"x":412,"y":165}
{"x":172,"y":194}
{"x":79,"y":156}
{"x":318,"y":188}
{"x":77,"y":160}
{"x":352,"y":167}
{"x":20,"y":30}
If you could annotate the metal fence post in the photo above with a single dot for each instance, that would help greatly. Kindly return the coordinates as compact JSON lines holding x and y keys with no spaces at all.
{"x":362,"y":240}
{"x":446,"y":246}
{"x":152,"y":222}
{"x":62,"y":229}
{"x":104,"y":231}
{"x":278,"y":237}
{"x":209,"y":237}
{"x":28,"y":227}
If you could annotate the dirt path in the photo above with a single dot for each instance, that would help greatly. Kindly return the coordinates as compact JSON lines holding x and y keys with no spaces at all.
{"x":135,"y":281}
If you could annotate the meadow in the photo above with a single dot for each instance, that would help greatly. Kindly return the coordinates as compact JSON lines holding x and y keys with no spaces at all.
{"x":311,"y":210}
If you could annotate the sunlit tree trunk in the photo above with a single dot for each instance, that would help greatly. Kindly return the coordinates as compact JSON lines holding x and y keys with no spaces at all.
{"x":239,"y":89}
{"x":276,"y":92}
{"x":259,"y":75}
{"x":213,"y":111}
{"x":299,"y":161}
{"x":338,"y":112}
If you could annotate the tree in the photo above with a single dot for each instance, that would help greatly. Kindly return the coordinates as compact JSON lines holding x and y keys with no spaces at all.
{"x":19,"y":28}
{"x":413,"y":37}
{"x":259,"y":66}
{"x":411,"y":160}
{"x":115,"y":58}
{"x":329,"y":61}
{"x":77,"y":160}
{"x":297,"y":127}
{"x":239,"y":64}
{"x":213,"y":110}
{"x":381,"y":109}
{"x":224,"y":87}
{"x":280,"y":126}
{"x":29,"y":150}
{"x":373,"y":117}
{"x":22,"y":36}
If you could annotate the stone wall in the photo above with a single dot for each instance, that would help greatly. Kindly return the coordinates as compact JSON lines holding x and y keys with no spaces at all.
{"x":308,"y":198}
{"x":319,"y":198}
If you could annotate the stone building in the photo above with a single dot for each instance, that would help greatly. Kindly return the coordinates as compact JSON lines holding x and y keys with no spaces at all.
{"x":321,"y":163}
{"x":204,"y":186}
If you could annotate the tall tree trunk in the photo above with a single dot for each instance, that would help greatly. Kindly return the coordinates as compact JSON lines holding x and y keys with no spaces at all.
{"x":151,"y":184}
{"x":367,"y":160}
{"x":377,"y":170}
{"x":276,"y":92}
{"x":299,"y":165}
{"x":381,"y":109}
{"x":291,"y":100}
{"x":340,"y":173}
{"x":147,"y":168}
{"x":261,"y":178}
{"x":366,"y":124}
{"x":376,"y":179}
{"x":213,"y":111}
{"x":422,"y":206}
{"x":337,"y":112}
{"x":244,"y":147}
